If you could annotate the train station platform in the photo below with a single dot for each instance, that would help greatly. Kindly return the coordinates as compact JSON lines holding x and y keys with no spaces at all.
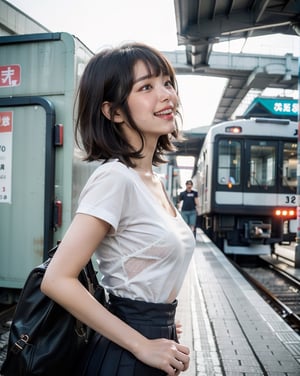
{"x":228,"y":326}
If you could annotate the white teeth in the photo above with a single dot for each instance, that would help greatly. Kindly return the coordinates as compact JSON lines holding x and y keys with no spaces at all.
{"x":165,"y":112}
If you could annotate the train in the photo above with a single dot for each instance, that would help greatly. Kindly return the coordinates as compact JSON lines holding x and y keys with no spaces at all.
{"x":246,"y":178}
{"x":42,"y":172}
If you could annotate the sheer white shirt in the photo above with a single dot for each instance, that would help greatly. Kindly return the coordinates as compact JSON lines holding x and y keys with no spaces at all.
{"x":146,"y":254}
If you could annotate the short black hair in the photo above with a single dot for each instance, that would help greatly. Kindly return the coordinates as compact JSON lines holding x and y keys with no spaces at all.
{"x":189,"y":182}
{"x":109,"y":76}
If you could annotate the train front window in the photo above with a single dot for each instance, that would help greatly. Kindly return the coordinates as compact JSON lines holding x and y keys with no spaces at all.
{"x":289,"y":169}
{"x":262,"y":165}
{"x":229,"y":162}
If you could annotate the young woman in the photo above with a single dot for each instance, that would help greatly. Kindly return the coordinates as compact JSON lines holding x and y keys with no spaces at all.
{"x":127,"y":110}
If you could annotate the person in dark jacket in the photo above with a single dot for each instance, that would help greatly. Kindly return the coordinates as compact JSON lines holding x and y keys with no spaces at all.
{"x":188,"y":200}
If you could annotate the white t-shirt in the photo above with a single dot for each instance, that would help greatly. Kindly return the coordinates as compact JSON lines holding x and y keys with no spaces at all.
{"x":147,"y":252}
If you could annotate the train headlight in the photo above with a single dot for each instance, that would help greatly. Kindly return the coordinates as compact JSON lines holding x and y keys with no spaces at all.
{"x":233,"y":129}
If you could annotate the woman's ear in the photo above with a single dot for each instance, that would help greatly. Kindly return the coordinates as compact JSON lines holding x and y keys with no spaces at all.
{"x":105,"y":108}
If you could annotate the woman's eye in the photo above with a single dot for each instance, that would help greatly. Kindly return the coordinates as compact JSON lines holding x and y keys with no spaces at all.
{"x":146,"y":87}
{"x":168,"y":83}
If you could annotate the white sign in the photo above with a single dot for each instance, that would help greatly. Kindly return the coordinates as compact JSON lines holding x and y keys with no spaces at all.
{"x":6,"y":129}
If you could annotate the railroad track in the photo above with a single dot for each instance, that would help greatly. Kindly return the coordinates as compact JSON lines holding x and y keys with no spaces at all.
{"x":6,"y":314}
{"x":280,"y":289}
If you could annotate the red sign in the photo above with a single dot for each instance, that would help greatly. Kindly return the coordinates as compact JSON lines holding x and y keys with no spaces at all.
{"x":10,"y":75}
{"x":6,"y":121}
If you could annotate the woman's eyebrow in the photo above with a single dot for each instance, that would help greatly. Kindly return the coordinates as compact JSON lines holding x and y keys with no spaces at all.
{"x":142,"y":78}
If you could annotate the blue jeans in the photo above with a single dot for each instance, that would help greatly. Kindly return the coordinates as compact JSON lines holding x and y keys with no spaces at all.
{"x":189,"y":217}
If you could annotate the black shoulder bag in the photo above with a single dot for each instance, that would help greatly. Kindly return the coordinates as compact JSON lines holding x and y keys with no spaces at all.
{"x":44,"y":338}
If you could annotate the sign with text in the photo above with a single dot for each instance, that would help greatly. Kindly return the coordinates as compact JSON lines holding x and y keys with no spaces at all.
{"x":275,"y":107}
{"x":10,"y":75}
{"x":6,"y":130}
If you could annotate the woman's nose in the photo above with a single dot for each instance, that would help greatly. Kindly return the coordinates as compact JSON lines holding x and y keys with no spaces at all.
{"x":164,"y":93}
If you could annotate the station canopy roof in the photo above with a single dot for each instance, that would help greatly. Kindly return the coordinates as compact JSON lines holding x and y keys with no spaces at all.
{"x":203,"y":23}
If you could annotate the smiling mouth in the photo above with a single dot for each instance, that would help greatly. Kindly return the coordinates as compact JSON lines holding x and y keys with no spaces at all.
{"x":164,"y":112}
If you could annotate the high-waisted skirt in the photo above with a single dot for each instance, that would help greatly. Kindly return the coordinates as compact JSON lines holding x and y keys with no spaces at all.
{"x":105,"y":358}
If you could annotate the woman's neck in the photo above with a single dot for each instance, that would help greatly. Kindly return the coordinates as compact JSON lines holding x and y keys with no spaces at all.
{"x":145,"y":170}
{"x":144,"y":165}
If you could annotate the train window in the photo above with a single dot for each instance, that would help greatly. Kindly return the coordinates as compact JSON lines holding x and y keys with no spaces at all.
{"x":289,"y":170}
{"x":262,"y":165}
{"x":229,"y":162}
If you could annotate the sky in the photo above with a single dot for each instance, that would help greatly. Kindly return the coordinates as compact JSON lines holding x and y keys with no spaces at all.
{"x":99,"y":23}
{"x":105,"y":22}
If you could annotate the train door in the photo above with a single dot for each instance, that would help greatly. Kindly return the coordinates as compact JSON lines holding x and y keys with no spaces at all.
{"x":26,"y":185}
{"x":260,"y":179}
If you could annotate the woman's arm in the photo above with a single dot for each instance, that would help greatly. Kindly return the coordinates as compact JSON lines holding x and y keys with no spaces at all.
{"x":61,"y":284}
{"x":197,"y":204}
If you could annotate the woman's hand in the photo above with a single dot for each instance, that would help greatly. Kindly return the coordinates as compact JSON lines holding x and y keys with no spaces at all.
{"x":164,"y":354}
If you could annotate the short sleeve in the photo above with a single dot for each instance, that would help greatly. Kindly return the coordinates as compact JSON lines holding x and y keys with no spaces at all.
{"x":104,"y":195}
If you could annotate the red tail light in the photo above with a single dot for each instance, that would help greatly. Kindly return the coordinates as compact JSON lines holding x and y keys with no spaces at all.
{"x":286,"y":213}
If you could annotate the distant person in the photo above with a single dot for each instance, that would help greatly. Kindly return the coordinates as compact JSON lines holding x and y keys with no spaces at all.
{"x":188,"y":200}
{"x":127,"y":114}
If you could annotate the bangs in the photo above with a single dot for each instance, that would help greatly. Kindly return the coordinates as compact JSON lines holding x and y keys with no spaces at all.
{"x":154,"y":61}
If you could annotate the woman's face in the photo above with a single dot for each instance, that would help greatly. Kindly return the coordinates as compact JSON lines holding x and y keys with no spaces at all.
{"x":152,"y":102}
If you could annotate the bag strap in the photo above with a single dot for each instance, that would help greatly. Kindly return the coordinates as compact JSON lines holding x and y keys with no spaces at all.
{"x":97,"y":289}
{"x":92,"y":275}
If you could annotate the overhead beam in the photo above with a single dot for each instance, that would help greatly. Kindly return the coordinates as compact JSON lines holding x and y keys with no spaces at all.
{"x":221,"y":63}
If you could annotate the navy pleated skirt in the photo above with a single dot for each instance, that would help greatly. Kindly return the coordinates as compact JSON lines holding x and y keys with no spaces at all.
{"x":105,"y":358}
